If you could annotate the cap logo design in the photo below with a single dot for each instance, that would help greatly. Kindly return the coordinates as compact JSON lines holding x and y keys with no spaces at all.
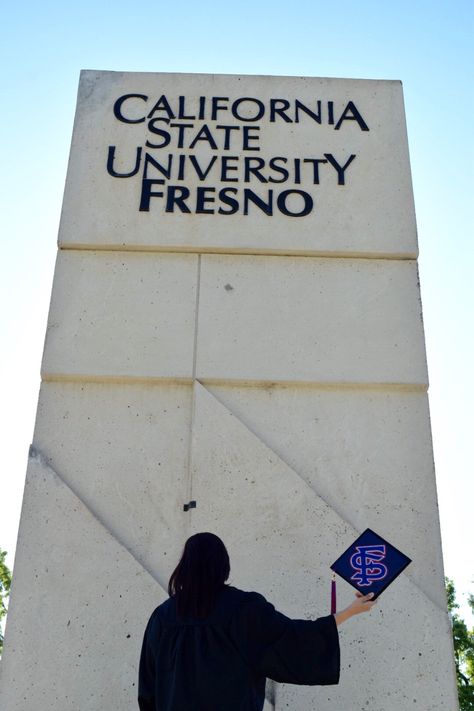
{"x":366,"y":562}
{"x":370,"y":562}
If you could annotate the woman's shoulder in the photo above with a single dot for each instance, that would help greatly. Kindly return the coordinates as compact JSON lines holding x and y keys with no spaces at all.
{"x":229,"y":601}
{"x":243,"y":596}
{"x":165,"y":612}
{"x":237,"y":599}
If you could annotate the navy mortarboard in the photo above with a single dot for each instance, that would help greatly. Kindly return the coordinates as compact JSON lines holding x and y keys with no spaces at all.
{"x":371,"y":563}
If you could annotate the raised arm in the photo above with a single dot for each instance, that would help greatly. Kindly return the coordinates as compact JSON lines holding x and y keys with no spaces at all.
{"x":362,"y":603}
{"x":287,"y":650}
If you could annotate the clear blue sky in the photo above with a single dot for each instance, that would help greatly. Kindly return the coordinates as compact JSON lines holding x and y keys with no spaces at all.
{"x":426,"y":44}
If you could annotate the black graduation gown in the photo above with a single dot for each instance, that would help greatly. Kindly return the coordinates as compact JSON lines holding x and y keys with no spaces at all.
{"x":221,"y":663}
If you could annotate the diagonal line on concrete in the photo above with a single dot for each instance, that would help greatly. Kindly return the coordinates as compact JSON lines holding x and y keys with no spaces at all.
{"x":289,"y":466}
{"x":36,"y":454}
{"x":313,"y":492}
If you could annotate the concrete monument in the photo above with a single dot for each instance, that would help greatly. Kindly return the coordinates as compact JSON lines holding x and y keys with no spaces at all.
{"x":234,"y":344}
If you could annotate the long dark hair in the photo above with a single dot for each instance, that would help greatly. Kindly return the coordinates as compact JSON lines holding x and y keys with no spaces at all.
{"x":200,"y":574}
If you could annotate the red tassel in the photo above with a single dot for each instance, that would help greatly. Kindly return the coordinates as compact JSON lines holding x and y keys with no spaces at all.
{"x":333,"y":596}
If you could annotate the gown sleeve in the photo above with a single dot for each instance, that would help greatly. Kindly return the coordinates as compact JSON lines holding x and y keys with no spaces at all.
{"x":146,"y":671}
{"x":286,"y":650}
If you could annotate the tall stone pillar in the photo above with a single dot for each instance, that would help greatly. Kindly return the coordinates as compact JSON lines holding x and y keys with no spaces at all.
{"x":235,"y":344}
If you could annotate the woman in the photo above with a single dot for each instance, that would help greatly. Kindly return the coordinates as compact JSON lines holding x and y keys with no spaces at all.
{"x":210,"y":646}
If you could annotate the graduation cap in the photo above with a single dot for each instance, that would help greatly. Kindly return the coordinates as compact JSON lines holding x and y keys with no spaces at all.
{"x":370,"y":564}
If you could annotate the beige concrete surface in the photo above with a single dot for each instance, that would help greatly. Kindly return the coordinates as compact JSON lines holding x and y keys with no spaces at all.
{"x":310,"y":319}
{"x":118,"y":314}
{"x":282,"y":538}
{"x":79,"y":605}
{"x":123,"y":449}
{"x":366,"y":452}
{"x":371,"y":213}
{"x":279,"y":531}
